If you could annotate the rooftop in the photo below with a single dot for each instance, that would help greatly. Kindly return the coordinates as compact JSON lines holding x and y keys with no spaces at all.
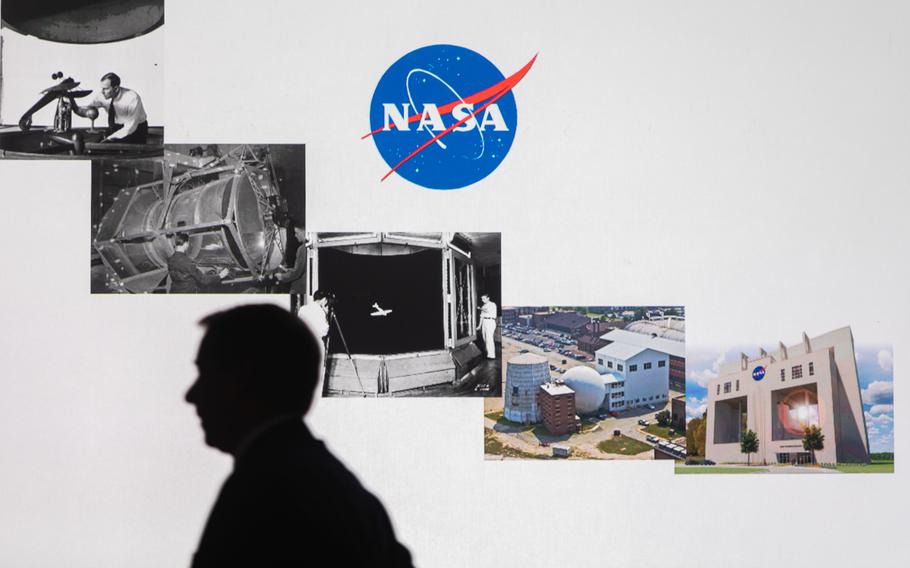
{"x":556,"y":388}
{"x":527,"y":359}
{"x":620,"y":350}
{"x":664,"y":345}
{"x":567,"y":319}
{"x":611,"y":378}
{"x":669,"y":327}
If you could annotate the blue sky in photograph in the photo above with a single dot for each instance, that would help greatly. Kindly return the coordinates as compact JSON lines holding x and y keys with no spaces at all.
{"x":875,"y":365}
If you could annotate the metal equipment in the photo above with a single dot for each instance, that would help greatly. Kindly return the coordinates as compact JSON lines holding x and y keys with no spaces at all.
{"x":229,"y":206}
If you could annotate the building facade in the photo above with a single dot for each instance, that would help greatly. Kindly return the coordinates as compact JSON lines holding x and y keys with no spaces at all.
{"x":557,"y":408}
{"x":524,"y":374}
{"x":640,"y":375}
{"x":812,"y":383}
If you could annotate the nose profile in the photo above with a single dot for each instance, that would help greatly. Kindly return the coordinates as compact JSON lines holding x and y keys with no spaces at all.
{"x":190,"y":395}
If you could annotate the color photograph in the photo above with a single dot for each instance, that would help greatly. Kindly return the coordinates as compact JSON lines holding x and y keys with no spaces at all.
{"x":822,"y":405}
{"x":601,"y":382}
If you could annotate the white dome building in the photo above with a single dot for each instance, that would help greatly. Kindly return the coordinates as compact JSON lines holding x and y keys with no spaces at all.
{"x":589,"y":388}
{"x":524,"y":375}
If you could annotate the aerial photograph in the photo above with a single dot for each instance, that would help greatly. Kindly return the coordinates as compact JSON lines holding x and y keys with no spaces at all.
{"x":820,"y":405}
{"x":590,"y":382}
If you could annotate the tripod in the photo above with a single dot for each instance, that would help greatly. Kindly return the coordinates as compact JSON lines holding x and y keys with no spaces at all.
{"x":333,"y":319}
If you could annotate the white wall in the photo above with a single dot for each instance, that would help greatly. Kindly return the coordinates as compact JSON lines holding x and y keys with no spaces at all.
{"x":695,"y":120}
{"x":645,"y":383}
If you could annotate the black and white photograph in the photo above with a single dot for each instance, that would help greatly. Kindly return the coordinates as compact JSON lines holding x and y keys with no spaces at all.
{"x":81,"y":79}
{"x":205,"y":218}
{"x":405,"y":314}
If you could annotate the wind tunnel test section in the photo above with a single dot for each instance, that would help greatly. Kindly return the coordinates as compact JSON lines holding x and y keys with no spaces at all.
{"x":202,"y":219}
{"x":407,"y":314}
{"x":407,"y":284}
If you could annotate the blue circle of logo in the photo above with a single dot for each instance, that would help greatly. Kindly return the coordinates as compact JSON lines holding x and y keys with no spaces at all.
{"x":442,"y":118}
{"x":758,"y":373}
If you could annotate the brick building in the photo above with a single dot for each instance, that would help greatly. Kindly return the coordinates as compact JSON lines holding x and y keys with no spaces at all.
{"x":556,"y":403}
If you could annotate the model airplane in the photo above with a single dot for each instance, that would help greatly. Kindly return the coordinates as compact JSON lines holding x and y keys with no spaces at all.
{"x":379,"y":311}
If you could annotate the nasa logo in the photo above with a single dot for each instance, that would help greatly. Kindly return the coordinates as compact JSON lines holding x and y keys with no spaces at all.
{"x":444,"y":117}
{"x":758,"y":373}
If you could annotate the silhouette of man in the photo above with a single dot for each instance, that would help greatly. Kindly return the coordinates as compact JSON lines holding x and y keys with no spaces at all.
{"x":289,"y":501}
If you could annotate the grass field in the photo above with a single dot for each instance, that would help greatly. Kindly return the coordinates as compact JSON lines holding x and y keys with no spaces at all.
{"x":715,"y":469}
{"x":623,"y":445}
{"x":874,"y":467}
{"x":492,"y":446}
{"x":502,"y":420}
{"x":664,"y":432}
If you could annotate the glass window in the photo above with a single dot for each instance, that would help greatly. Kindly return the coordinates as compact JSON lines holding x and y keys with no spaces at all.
{"x":737,"y":384}
{"x":661,"y":363}
{"x":600,"y":362}
{"x":633,"y":368}
{"x":811,"y":368}
{"x":782,"y":374}
{"x":718,"y":388}
{"x":619,"y":366}
{"x":726,"y":388}
{"x":796,"y":372}
{"x":609,"y":364}
{"x":647,"y":366}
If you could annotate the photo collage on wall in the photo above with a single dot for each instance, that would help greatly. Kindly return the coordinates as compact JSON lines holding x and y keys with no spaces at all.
{"x":418,"y":314}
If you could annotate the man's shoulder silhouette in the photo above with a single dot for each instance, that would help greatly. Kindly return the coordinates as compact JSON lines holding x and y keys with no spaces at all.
{"x":289,"y":501}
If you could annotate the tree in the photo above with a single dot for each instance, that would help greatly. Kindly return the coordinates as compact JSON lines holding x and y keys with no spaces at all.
{"x":695,"y":436}
{"x":663,"y":417}
{"x":813,"y":440}
{"x":749,"y":445}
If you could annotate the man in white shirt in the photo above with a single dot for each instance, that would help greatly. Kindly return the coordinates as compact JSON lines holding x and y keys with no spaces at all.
{"x":487,"y":325}
{"x":126,"y":118}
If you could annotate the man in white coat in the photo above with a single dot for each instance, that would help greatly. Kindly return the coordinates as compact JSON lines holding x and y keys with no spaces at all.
{"x":487,"y":325}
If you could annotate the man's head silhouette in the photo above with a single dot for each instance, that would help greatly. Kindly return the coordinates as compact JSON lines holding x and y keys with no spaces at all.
{"x":256,"y":363}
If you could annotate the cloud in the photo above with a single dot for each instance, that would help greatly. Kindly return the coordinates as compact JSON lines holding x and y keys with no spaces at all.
{"x":886,"y":360}
{"x":695,"y":407}
{"x":883,"y":420}
{"x":881,"y":409}
{"x":879,"y":392}
{"x":702,"y":377}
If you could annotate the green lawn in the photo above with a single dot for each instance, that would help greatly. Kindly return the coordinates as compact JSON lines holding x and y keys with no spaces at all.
{"x":492,"y":446}
{"x":874,"y":467}
{"x":502,"y":420}
{"x":588,"y":425}
{"x":716,"y":469}
{"x":623,"y":445}
{"x":662,"y":431}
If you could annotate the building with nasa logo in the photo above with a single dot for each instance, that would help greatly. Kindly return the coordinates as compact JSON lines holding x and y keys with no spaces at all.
{"x":777,"y":395}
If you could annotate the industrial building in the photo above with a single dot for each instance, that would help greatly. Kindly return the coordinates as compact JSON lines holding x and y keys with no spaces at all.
{"x":641,"y":365}
{"x":776,"y":395}
{"x":524,"y":376}
{"x":565,"y":322}
{"x":678,"y":412}
{"x":557,"y":408}
{"x":673,"y":349}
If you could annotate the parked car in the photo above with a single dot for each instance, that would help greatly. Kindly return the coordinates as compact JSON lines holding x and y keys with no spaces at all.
{"x":652,"y":407}
{"x":652,"y":438}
